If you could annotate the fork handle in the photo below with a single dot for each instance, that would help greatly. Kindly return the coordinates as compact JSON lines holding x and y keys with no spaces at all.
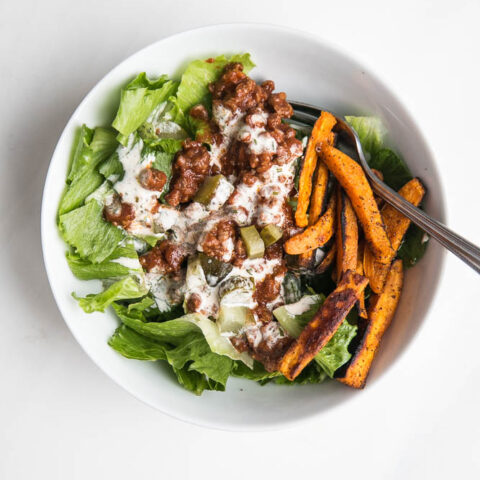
{"x":462,"y":248}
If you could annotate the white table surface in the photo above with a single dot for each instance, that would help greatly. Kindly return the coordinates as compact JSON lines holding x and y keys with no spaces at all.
{"x":61,"y":418}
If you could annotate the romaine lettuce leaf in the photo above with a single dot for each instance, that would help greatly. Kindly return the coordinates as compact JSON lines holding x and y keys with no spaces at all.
{"x":131,"y":344}
{"x":126,"y":288}
{"x":138,"y":100}
{"x":395,"y":171}
{"x":414,"y":246}
{"x":186,"y":348}
{"x":112,"y":168}
{"x":123,"y":261}
{"x":92,"y":147}
{"x":80,"y":188}
{"x":193,"y":88}
{"x":335,"y":353}
{"x":312,"y":373}
{"x":91,"y":236}
{"x":370,"y":131}
{"x":173,"y":330}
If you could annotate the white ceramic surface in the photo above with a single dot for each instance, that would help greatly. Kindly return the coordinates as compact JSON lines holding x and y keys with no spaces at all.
{"x":307,"y":70}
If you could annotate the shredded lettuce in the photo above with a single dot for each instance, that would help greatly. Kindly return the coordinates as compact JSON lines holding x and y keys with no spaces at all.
{"x":138,"y":100}
{"x":88,"y":233}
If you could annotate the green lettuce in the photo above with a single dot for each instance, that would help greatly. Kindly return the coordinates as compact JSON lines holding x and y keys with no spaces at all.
{"x":133,"y":345}
{"x":370,"y":131}
{"x":76,"y":193}
{"x":181,"y":342}
{"x":126,"y":288}
{"x":109,"y":268}
{"x":92,"y":148}
{"x":335,"y":353}
{"x":138,"y":100}
{"x":395,"y":171}
{"x":168,"y":331}
{"x":112,"y":167}
{"x":414,"y":246}
{"x":312,"y":373}
{"x":88,"y":233}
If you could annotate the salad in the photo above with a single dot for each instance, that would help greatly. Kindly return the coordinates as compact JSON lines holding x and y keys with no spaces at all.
{"x":230,"y":240}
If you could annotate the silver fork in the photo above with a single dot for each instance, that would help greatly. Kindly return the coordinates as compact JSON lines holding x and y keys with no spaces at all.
{"x":462,"y":248}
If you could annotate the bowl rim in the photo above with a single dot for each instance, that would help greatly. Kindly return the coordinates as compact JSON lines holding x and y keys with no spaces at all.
{"x":334,"y":49}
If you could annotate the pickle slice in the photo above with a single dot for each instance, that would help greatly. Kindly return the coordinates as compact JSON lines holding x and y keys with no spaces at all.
{"x":271,"y":234}
{"x":215,"y":270}
{"x":214,"y":192}
{"x":253,"y":242}
{"x":236,"y":290}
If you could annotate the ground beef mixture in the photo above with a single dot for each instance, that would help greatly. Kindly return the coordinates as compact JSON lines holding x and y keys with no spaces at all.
{"x":264,"y":350}
{"x":121,"y":214}
{"x":191,"y":166}
{"x":164,"y":257}
{"x":267,"y":291}
{"x":152,"y":179}
{"x":239,"y":93}
{"x":217,"y":240}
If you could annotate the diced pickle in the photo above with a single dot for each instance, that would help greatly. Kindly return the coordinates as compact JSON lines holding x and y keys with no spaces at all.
{"x":236,"y":290}
{"x":215,"y":270}
{"x":271,"y":234}
{"x":253,"y":242}
{"x":207,"y":189}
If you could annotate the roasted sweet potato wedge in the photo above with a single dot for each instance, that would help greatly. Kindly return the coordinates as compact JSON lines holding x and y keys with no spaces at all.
{"x":351,"y":177}
{"x":323,"y":325}
{"x":315,"y":235}
{"x":321,"y":133}
{"x":346,"y":236}
{"x":319,"y":198}
{"x":380,"y":314}
{"x":396,"y":226}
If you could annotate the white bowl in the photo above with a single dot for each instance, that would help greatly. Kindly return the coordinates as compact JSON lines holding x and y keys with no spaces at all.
{"x":310,"y":71}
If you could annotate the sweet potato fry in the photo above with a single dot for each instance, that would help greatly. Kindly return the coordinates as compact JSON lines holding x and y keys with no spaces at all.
{"x":352,"y":178}
{"x":346,"y":235}
{"x":316,"y":235}
{"x":321,"y":133}
{"x":396,"y":226}
{"x":319,"y":198}
{"x":323,"y":325}
{"x":380,"y":314}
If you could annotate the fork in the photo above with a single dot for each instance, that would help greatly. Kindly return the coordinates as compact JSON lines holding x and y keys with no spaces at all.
{"x":468,"y":252}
